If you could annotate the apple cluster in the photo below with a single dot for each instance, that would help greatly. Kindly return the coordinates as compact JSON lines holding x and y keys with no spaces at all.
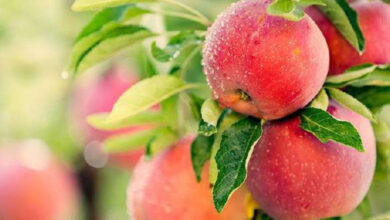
{"x":268,"y":67}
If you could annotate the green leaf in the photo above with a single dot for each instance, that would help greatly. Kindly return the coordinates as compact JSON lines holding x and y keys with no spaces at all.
{"x":175,"y":46}
{"x":170,"y":110}
{"x":350,"y":102}
{"x":206,"y":129}
{"x":380,"y":76}
{"x":350,"y":75}
{"x":374,"y":97}
{"x":99,"y":121}
{"x":128,"y":142}
{"x":232,"y":158}
{"x":146,"y":94}
{"x":146,"y":68}
{"x":286,"y":9}
{"x":321,"y":101}
{"x":200,"y":153}
{"x":164,"y":138}
{"x":103,"y":44}
{"x":345,"y":19}
{"x":85,"y":5}
{"x":363,"y":75}
{"x":226,"y":119}
{"x":306,"y":3}
{"x":211,"y":112}
{"x":108,"y":15}
{"x":100,"y":19}
{"x":325,"y":127}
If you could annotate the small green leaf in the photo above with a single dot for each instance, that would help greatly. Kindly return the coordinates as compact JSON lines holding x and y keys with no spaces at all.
{"x":164,"y":138}
{"x":350,"y":75}
{"x":146,"y":94}
{"x":160,"y":54}
{"x":100,"y":19}
{"x":211,"y":112}
{"x":306,"y":3}
{"x":345,"y":19}
{"x":146,"y":68}
{"x":206,"y":129}
{"x":85,"y":5}
{"x":200,"y":153}
{"x":321,"y":101}
{"x":103,"y":44}
{"x":350,"y":102}
{"x":265,"y":217}
{"x":104,"y":17}
{"x":128,"y":142}
{"x":232,"y":158}
{"x":99,"y":121}
{"x":325,"y":127}
{"x":374,"y":97}
{"x":176,"y":45}
{"x":380,"y":76}
{"x":363,"y":75}
{"x":286,"y":9}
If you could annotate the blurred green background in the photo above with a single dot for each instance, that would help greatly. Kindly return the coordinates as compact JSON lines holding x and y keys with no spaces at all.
{"x":35,"y":41}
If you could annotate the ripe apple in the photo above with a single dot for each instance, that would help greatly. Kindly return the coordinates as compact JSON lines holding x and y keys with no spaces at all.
{"x":292,"y":175}
{"x":262,"y":65}
{"x":166,"y":188}
{"x":33,"y":185}
{"x":374,"y":20}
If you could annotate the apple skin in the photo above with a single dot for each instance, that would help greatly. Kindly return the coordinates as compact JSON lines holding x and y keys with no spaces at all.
{"x":374,"y":20}
{"x":292,"y":175}
{"x":99,"y":96}
{"x":45,"y":193}
{"x":166,"y":188}
{"x":281,"y":65}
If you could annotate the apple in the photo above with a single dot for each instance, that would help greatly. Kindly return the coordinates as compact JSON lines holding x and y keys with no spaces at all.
{"x":263,"y":65}
{"x":166,"y":188}
{"x":34,"y":185}
{"x":292,"y":175}
{"x":374,"y":20}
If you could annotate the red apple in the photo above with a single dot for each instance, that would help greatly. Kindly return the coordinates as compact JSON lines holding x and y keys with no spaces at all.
{"x":166,"y":188}
{"x":33,"y":185}
{"x":374,"y":20}
{"x":292,"y":175}
{"x":263,"y":65}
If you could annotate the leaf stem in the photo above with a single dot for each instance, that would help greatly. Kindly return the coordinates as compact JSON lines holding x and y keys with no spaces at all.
{"x":183,"y":15}
{"x":189,"y":9}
